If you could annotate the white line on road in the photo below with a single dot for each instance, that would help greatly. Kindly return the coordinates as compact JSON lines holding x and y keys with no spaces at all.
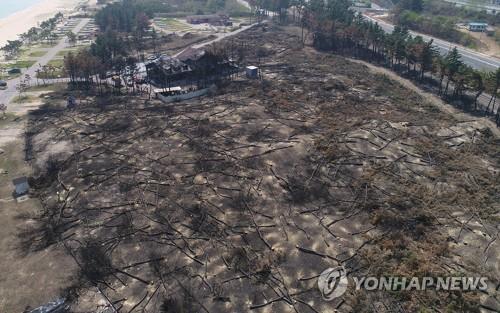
{"x":447,"y":46}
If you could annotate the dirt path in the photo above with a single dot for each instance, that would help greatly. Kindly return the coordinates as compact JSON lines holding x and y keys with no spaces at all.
{"x":431,"y":98}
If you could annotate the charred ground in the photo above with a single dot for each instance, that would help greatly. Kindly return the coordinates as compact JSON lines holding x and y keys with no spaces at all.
{"x":237,"y":201}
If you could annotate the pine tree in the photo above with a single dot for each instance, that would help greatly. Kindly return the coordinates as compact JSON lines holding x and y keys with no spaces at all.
{"x":453,"y":64}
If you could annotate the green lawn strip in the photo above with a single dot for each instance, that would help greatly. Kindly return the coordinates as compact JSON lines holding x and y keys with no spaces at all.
{"x":52,"y":87}
{"x":177,"y":25}
{"x":56,"y":62}
{"x":9,"y":76}
{"x":36,"y":53}
{"x":44,"y":45}
{"x":8,"y":118}
{"x":22,"y":64}
{"x":63,"y":53}
{"x":24,"y":98}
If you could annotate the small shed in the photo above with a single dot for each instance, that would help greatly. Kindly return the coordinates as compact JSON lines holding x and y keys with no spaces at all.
{"x":478,"y":27}
{"x":71,"y":102}
{"x":252,"y":71}
{"x":21,"y":186}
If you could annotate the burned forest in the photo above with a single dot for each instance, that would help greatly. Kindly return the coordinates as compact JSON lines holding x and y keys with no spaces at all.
{"x":238,"y":200}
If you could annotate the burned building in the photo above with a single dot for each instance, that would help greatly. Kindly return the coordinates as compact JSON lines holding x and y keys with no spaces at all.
{"x":191,"y":66}
{"x":208,"y":65}
{"x":166,"y":71}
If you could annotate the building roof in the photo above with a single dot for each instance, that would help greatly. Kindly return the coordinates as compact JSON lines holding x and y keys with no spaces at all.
{"x":478,"y":24}
{"x":169,"y":64}
{"x":191,"y":54}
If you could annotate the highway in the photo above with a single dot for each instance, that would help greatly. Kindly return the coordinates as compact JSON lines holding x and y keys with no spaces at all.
{"x":470,"y":57}
{"x":490,"y":8}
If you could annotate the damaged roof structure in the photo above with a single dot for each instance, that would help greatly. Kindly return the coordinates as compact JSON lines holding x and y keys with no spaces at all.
{"x":191,"y":55}
{"x":165,"y":69}
{"x":191,"y":65}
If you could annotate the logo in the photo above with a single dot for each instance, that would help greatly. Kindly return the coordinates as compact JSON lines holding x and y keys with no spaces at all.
{"x":332,"y":282}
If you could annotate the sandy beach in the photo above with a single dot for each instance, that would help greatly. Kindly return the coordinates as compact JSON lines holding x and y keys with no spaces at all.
{"x":19,"y":22}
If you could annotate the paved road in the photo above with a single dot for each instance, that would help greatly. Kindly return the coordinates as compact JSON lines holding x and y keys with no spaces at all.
{"x":472,"y":58}
{"x":491,"y":8}
{"x":7,"y":95}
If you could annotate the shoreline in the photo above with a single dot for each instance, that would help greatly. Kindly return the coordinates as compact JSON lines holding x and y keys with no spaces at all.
{"x":19,"y":22}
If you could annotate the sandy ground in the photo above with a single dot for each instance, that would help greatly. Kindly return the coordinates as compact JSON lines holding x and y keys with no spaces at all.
{"x":19,"y":22}
{"x":15,"y":130}
{"x":44,"y":273}
{"x":489,"y":45}
{"x":26,"y":280}
{"x":244,"y":179}
{"x":10,"y":133}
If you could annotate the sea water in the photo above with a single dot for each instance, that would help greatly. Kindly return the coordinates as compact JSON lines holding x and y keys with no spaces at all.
{"x":7,"y":7}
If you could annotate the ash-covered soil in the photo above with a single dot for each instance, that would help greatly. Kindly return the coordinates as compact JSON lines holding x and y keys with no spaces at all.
{"x":236,"y":202}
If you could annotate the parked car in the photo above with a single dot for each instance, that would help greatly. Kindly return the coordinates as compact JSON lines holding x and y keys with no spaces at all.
{"x":14,"y":71}
{"x":3,"y":84}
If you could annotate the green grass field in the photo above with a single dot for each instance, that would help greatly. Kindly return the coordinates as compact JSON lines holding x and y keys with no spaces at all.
{"x":173,"y":25}
{"x":22,"y":64}
{"x":7,"y":118}
{"x":23,"y":98}
{"x":53,"y":87}
{"x":36,"y":53}
{"x":61,"y":54}
{"x":7,"y":77}
{"x":44,"y":45}
{"x":56,"y":62}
